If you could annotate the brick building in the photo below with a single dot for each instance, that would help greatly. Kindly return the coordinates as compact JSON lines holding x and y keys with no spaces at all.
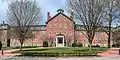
{"x":60,"y":31}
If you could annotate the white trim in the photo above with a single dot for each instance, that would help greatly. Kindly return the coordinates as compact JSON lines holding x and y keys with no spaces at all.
{"x":59,"y":45}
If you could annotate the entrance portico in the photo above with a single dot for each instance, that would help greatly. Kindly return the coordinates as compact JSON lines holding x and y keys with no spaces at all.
{"x":60,"y":41}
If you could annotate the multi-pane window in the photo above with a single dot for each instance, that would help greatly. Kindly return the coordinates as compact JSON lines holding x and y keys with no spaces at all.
{"x":65,"y":33}
{"x":50,"y":26}
{"x":50,"y":32}
{"x":80,"y":33}
{"x":60,"y":40}
{"x":60,"y":26}
{"x":65,"y":25}
{"x":55,"y":25}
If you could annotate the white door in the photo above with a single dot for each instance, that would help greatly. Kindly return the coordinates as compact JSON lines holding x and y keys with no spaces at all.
{"x":60,"y":41}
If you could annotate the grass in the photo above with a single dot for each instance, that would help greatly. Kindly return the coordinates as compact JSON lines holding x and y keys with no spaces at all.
{"x":61,"y":52}
{"x":18,"y":47}
{"x":65,"y":49}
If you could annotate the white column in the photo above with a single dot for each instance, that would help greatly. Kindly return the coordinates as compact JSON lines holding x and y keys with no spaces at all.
{"x":63,"y":41}
{"x":56,"y":42}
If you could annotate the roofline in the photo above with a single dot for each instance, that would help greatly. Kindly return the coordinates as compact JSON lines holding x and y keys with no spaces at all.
{"x":57,"y":15}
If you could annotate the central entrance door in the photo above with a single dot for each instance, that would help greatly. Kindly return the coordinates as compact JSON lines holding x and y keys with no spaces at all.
{"x":59,"y":41}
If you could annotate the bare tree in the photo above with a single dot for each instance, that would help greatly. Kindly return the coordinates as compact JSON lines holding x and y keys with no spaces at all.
{"x":111,"y":13}
{"x":50,"y":40}
{"x":22,"y":15}
{"x":116,"y":36}
{"x":68,"y":41}
{"x":1,"y":41}
{"x":88,"y":12}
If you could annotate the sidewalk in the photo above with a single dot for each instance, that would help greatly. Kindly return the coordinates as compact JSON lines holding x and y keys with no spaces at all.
{"x":110,"y":52}
{"x":8,"y":53}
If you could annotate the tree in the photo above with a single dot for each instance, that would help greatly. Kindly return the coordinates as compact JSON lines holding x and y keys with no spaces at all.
{"x":50,"y":40}
{"x":116,"y":36}
{"x":22,"y":15}
{"x":111,"y":13}
{"x":89,"y":13}
{"x":68,"y":41}
{"x":1,"y":41}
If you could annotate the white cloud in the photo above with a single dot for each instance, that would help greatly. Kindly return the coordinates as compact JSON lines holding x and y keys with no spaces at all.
{"x":46,"y":6}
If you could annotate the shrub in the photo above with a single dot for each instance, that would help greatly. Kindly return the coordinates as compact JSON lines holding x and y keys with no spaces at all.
{"x":80,"y":45}
{"x":115,"y":45}
{"x":74,"y":45}
{"x":0,"y":45}
{"x":45,"y":44}
{"x":96,"y":45}
{"x":58,"y":54}
{"x":77,"y":45}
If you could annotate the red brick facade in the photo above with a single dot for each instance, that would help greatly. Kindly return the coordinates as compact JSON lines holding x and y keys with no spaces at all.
{"x":65,"y":25}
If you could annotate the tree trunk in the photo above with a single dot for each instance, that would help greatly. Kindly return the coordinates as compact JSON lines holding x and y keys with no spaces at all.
{"x":74,"y":34}
{"x":109,"y":31}
{"x":2,"y":52}
{"x":90,"y":41}
{"x":90,"y":47}
{"x":21,"y":43}
{"x":90,"y":44}
{"x":109,"y":35}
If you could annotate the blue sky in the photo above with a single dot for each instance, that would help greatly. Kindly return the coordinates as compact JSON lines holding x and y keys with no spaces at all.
{"x":46,"y":6}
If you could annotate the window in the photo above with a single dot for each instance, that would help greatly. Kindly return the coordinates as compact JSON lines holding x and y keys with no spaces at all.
{"x":50,"y":32}
{"x":55,"y":25}
{"x":60,"y":26}
{"x":60,"y":18}
{"x":55,"y":32}
{"x":50,"y":26}
{"x":65,"y":25}
{"x":80,"y":40}
{"x":84,"y":32}
{"x":60,"y":39}
{"x":64,"y":19}
{"x":41,"y":33}
{"x":65,"y":32}
{"x":76,"y":33}
{"x":84,"y":40}
{"x":80,"y":33}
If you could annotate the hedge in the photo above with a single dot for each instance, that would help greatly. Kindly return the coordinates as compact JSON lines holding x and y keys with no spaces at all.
{"x":45,"y":44}
{"x":77,"y":45}
{"x":58,"y":54}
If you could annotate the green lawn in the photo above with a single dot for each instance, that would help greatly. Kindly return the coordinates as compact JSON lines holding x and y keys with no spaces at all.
{"x":61,"y":52}
{"x":71,"y":49}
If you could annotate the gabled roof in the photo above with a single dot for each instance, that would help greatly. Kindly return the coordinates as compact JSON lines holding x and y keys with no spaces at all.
{"x":58,"y":15}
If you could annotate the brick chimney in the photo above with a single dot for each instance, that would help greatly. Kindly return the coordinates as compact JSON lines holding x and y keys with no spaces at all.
{"x":72,"y":15}
{"x":48,"y":16}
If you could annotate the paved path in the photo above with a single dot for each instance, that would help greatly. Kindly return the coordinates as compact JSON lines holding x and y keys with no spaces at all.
{"x":110,"y":52}
{"x":60,"y":58}
{"x":8,"y":52}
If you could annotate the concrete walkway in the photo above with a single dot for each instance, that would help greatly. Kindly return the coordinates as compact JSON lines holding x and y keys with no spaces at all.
{"x":7,"y":53}
{"x":110,"y":52}
{"x":60,"y":58}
